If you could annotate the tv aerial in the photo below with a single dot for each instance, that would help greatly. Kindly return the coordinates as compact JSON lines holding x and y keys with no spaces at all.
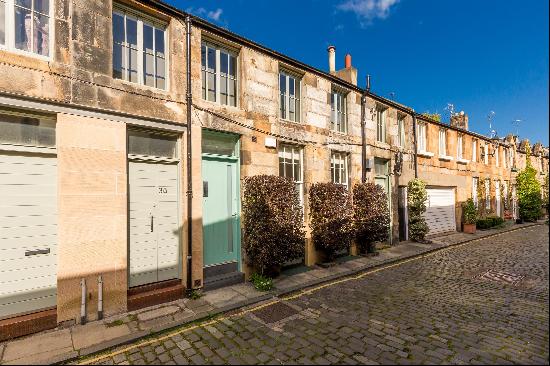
{"x":516,"y":122}
{"x":492,"y":132}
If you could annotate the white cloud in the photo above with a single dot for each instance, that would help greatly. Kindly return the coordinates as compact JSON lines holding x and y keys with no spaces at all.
{"x":368,"y":10}
{"x":215,"y":15}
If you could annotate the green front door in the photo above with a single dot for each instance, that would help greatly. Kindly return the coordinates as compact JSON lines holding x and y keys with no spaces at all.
{"x":221,"y":227}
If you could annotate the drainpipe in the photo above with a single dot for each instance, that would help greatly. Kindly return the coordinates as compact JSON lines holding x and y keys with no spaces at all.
{"x":415,"y":144}
{"x":363,"y":137}
{"x":189,"y":100}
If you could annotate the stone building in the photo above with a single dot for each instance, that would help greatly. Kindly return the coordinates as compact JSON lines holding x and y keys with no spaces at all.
{"x":94,"y":161}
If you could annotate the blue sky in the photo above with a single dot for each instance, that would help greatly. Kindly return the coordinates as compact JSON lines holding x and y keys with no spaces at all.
{"x":481,"y":56}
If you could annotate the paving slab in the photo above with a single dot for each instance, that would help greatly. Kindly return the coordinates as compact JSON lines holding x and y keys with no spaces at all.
{"x":157,"y":313}
{"x":38,"y":348}
{"x":222,"y":297}
{"x":95,"y":333}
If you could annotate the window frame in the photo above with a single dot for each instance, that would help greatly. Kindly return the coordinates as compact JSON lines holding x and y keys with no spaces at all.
{"x":297,"y":95}
{"x":343,"y":160}
{"x":442,"y":142}
{"x":474,"y":150}
{"x":460,"y":146}
{"x":421,"y":137}
{"x":475,"y":185}
{"x":401,"y":138}
{"x":381,"y":123}
{"x":219,"y":48}
{"x":141,"y":19}
{"x":335,"y":94}
{"x":9,"y":36}
{"x":486,"y":154}
{"x":496,"y":156}
{"x":487,"y":194}
{"x":295,"y":150}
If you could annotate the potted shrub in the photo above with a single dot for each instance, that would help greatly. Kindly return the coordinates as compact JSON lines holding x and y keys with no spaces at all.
{"x":469,"y":217}
{"x":331,"y":218}
{"x":371,"y":216}
{"x":273,"y":228}
{"x":417,"y":196}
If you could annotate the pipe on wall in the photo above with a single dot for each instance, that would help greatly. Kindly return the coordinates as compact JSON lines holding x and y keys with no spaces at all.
{"x":189,"y":100}
{"x":415,"y":145}
{"x":363,"y":137}
{"x":99,"y":297}
{"x":83,"y":302}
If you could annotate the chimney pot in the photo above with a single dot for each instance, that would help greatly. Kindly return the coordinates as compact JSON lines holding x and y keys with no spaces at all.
{"x":331,"y":58}
{"x":348,"y":61}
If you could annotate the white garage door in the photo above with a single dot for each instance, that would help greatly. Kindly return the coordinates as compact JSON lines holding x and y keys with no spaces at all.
{"x":28,"y":233}
{"x":440,"y":210}
{"x":154,"y":224}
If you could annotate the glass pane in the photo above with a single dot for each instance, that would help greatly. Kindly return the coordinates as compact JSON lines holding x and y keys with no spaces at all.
{"x":232,"y":66}
{"x":161,"y":73}
{"x":224,"y":65}
{"x":337,"y":174}
{"x":24,"y":3}
{"x":291,"y":105}
{"x":291,"y":86}
{"x":296,"y":165}
{"x":42,"y":6}
{"x":232,"y":94}
{"x":159,"y":42}
{"x":288,"y":170}
{"x":22,"y":29}
{"x":282,"y":106}
{"x":219,"y":145}
{"x":132,"y":65}
{"x":131,"y":32}
{"x":21,"y":130}
{"x":117,"y":61}
{"x":143,"y":143}
{"x":203,"y":56}
{"x":148,"y":38}
{"x":223,"y":89}
{"x":281,"y":167}
{"x":204,"y":85}
{"x":148,"y":69}
{"x":2,"y":23}
{"x":282,"y":83}
{"x":211,"y":60}
{"x":118,"y":28}
{"x":211,"y":87}
{"x":41,"y":35}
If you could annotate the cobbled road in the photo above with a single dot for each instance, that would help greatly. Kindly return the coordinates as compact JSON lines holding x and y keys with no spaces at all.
{"x":485,"y":302}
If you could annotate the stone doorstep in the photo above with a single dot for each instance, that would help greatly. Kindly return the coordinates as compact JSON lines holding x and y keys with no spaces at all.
{"x":57,"y":346}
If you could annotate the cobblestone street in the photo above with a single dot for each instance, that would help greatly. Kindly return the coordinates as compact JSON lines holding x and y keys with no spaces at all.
{"x":485,"y":302}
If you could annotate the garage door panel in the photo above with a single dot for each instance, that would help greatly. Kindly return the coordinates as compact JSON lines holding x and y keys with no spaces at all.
{"x":440,"y":210}
{"x":28,"y":221}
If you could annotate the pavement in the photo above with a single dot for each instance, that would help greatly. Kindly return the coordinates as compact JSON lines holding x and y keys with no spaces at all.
{"x":412,"y":303}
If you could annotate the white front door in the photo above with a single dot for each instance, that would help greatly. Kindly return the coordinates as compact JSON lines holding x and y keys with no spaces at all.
{"x":497,"y":196}
{"x":440,"y":210}
{"x":154,"y":222}
{"x":28,"y":233}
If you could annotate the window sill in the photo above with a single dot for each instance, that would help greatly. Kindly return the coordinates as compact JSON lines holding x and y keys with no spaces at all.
{"x":445,"y":158}
{"x":425,"y":154}
{"x":462,"y":161}
{"x":139,"y":86}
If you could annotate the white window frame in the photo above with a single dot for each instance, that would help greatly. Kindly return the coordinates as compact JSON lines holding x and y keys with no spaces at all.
{"x":474,"y":150}
{"x":296,"y":157}
{"x":505,"y":158}
{"x":141,"y":19}
{"x":486,"y":154}
{"x":338,"y":98}
{"x":442,"y":142}
{"x":297,"y":95}
{"x":342,"y":160}
{"x":487,"y":194}
{"x":381,"y":123}
{"x":459,"y":147}
{"x":401,"y":140}
{"x":496,"y":156}
{"x":475,"y":183}
{"x":9,"y":24}
{"x":421,"y":136}
{"x":217,"y":72}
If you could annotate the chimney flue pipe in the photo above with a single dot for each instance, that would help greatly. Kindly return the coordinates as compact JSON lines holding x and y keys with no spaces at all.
{"x":331,"y":58}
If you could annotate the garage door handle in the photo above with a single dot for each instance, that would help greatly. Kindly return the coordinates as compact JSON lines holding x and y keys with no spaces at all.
{"x":28,"y":253}
{"x":151,"y":223}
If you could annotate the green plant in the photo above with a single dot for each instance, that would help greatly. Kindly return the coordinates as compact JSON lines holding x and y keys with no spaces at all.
{"x":261,"y":282}
{"x":272,"y":222}
{"x":416,"y":202}
{"x":489,"y":222}
{"x":371,"y":215}
{"x":434,"y":116}
{"x":469,"y":212}
{"x":528,"y":191}
{"x":331,"y":218}
{"x":195,"y":295}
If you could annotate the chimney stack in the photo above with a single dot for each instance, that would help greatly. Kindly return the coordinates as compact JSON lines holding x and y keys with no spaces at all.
{"x":347,"y":61}
{"x":331,"y":59}
{"x":460,"y":120}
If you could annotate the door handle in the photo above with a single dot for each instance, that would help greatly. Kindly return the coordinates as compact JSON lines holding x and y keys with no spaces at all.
{"x":151,"y":223}
{"x":28,"y":253}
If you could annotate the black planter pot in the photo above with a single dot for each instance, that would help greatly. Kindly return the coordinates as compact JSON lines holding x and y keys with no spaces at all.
{"x":519,"y":221}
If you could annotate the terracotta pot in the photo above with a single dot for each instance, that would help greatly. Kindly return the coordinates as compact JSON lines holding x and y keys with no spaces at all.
{"x":469,"y":228}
